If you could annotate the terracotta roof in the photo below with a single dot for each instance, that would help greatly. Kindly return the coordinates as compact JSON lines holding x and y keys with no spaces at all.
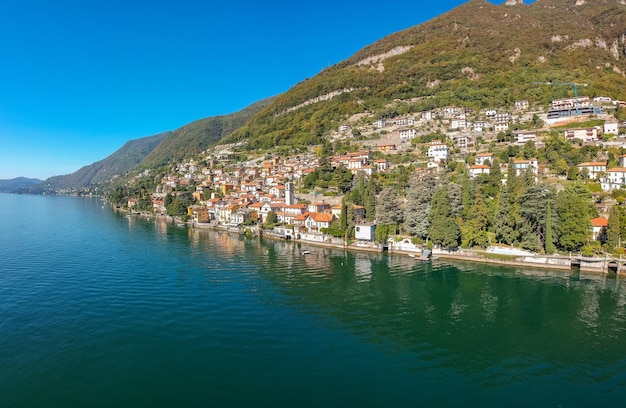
{"x":302,"y":217}
{"x":588,"y":164}
{"x":322,"y":217}
{"x":600,"y":222}
{"x":298,"y":206}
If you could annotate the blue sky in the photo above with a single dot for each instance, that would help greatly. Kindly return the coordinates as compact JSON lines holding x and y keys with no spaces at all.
{"x":79,"y":78}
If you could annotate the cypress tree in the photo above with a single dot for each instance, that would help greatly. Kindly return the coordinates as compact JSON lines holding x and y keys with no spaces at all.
{"x":549,"y":239}
{"x":613,"y":230}
{"x":369,"y":200}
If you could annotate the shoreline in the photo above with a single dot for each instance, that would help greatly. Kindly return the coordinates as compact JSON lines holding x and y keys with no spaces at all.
{"x":468,"y":256}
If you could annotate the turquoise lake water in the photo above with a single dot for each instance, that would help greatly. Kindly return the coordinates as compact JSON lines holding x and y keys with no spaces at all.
{"x":97,"y":309}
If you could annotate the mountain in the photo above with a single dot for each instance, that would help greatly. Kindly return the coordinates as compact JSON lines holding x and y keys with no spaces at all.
{"x":477,"y":55}
{"x":13,"y":185}
{"x":152,"y":151}
{"x":121,"y":161}
{"x":197,"y":136}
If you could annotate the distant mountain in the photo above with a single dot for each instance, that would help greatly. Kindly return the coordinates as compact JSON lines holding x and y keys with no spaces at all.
{"x":152,"y":151}
{"x":117,"y":164}
{"x":477,"y":55}
{"x":13,"y":185}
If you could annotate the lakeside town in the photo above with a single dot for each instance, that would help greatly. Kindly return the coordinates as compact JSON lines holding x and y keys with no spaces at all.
{"x":529,"y":181}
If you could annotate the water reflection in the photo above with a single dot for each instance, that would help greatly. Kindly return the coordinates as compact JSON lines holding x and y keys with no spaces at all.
{"x":477,"y":312}
{"x":468,"y":316}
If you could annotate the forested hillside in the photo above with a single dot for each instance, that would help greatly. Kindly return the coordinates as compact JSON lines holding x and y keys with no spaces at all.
{"x":477,"y":55}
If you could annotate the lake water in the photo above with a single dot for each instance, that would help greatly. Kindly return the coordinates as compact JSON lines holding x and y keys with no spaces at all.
{"x":97,"y":309}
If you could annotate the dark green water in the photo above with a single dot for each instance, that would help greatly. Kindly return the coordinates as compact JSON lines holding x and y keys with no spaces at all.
{"x":100,"y":310}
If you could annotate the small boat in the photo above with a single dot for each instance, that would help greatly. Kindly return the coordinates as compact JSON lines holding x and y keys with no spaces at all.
{"x":305,"y":252}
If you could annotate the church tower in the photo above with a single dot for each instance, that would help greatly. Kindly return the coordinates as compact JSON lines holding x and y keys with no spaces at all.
{"x":289,"y":196}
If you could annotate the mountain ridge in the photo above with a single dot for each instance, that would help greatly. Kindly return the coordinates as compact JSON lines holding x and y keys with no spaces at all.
{"x":150,"y":151}
{"x":15,"y":184}
{"x":476,"y":55}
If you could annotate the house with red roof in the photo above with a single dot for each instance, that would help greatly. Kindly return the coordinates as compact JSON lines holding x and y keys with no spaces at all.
{"x":317,"y":221}
{"x":599,"y":226}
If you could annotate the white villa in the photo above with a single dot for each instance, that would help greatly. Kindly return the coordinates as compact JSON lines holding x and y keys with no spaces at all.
{"x":523,"y":137}
{"x":478,"y":169}
{"x":438,"y":151}
{"x":481,"y":158}
{"x":584,"y":134}
{"x":522,"y":165}
{"x":407,"y":133}
{"x":593,"y":169}
{"x":614,"y":178}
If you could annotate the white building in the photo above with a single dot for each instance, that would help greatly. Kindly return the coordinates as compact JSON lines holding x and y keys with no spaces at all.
{"x":611,"y":128}
{"x":407,"y":133}
{"x":480,"y":125}
{"x":584,"y":134}
{"x":404,"y":121}
{"x":478,"y":169}
{"x":365,"y":232}
{"x":438,"y":151}
{"x":462,"y":141}
{"x":523,"y":137}
{"x":602,"y":99}
{"x":501,"y":127}
{"x":381,"y":164}
{"x":482,"y":158}
{"x":459,"y":123}
{"x":593,"y":169}
{"x":523,"y":165}
{"x":521,"y":105}
{"x":614,"y":178}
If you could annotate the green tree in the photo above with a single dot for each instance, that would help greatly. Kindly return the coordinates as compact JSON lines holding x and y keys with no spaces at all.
{"x":574,"y":210}
{"x":533,"y":209}
{"x":167,"y":200}
{"x":357,"y":193}
{"x":369,"y":200}
{"x":271,"y":219}
{"x":388,"y":211}
{"x":507,"y":219}
{"x":613,"y":236}
{"x":573,"y":173}
{"x":474,"y":231}
{"x":549,"y":237}
{"x":418,"y":205}
{"x":343,"y":216}
{"x":444,"y":229}
{"x":529,"y":151}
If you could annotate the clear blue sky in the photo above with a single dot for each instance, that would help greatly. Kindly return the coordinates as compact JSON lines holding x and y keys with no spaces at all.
{"x":79,"y":78}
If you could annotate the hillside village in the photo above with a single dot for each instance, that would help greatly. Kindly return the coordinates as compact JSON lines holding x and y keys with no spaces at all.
{"x":335,"y":193}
